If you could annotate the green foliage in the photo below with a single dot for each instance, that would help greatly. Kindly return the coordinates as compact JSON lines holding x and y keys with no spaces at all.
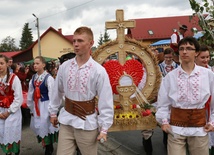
{"x":93,"y":48}
{"x":27,"y":37}
{"x":148,"y":106}
{"x":207,"y":25}
{"x":8,"y":45}
{"x":104,"y":38}
{"x":100,"y":41}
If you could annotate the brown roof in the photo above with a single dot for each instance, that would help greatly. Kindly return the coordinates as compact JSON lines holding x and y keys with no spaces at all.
{"x":59,"y":32}
{"x":69,"y":37}
{"x":10,"y":54}
{"x":162,"y":27}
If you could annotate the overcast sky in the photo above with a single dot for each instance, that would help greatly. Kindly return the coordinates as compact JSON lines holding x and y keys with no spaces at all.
{"x":70,"y":14}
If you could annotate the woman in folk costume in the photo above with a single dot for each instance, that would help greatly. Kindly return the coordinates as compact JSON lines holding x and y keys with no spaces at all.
{"x":202,"y":59}
{"x":39,"y":94}
{"x":10,"y":111}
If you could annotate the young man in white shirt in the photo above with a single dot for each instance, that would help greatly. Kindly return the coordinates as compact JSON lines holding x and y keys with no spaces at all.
{"x":181,"y":108}
{"x":81,"y":79}
{"x":175,"y":38}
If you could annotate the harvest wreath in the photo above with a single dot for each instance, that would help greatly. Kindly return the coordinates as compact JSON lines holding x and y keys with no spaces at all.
{"x":134,"y":83}
{"x":132,"y":108}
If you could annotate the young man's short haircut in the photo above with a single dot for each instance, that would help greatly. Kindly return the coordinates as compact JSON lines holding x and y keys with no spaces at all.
{"x":168,"y":51}
{"x":86,"y":30}
{"x":191,"y":41}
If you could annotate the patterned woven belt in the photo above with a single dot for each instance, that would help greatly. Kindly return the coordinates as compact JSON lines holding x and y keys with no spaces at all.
{"x":188,"y":117}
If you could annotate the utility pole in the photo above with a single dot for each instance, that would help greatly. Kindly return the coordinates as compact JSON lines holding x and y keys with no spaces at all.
{"x":37,"y":25}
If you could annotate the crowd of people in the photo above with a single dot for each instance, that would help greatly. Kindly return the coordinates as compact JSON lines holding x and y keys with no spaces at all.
{"x":78,"y":82}
{"x":185,"y":111}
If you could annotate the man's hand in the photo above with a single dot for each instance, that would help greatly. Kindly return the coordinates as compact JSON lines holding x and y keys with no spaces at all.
{"x":166,"y":128}
{"x":54,"y":121}
{"x":102,"y":136}
{"x":208,"y":128}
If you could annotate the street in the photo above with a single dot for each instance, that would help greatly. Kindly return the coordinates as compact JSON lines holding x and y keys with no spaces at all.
{"x":119,"y":143}
{"x":132,"y":141}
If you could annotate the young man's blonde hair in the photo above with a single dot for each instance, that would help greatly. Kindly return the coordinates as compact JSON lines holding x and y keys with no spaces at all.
{"x":86,"y":30}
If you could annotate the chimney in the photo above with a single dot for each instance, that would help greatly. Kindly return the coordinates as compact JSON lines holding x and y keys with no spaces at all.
{"x":60,"y":30}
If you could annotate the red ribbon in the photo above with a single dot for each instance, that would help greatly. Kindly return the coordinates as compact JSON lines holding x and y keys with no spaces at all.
{"x":37,"y":96}
{"x":6,"y":102}
{"x":207,"y":107}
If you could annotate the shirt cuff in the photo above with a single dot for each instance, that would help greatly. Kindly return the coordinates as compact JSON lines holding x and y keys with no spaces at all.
{"x":9,"y":111}
{"x":211,"y":123}
{"x":53,"y":115}
{"x":104,"y":131}
{"x":165,"y":121}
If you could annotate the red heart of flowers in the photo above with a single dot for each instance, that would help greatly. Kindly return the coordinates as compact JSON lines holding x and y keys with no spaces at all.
{"x":115,"y":70}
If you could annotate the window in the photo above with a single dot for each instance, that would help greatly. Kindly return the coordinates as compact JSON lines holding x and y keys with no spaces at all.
{"x":194,"y":29}
{"x":150,"y":32}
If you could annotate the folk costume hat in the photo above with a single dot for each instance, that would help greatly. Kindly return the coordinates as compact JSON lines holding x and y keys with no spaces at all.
{"x":184,"y":27}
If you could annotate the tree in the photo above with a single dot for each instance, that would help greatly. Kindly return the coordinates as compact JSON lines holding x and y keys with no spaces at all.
{"x":27,"y":37}
{"x":100,"y":41}
{"x":8,"y":44}
{"x":207,"y":24}
{"x":104,"y":38}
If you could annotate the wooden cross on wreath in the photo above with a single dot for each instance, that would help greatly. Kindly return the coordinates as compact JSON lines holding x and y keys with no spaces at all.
{"x":126,"y":77}
{"x":120,"y":25}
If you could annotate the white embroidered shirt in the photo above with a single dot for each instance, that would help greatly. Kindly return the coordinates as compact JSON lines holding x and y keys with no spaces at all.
{"x":180,"y":90}
{"x":82,"y":84}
